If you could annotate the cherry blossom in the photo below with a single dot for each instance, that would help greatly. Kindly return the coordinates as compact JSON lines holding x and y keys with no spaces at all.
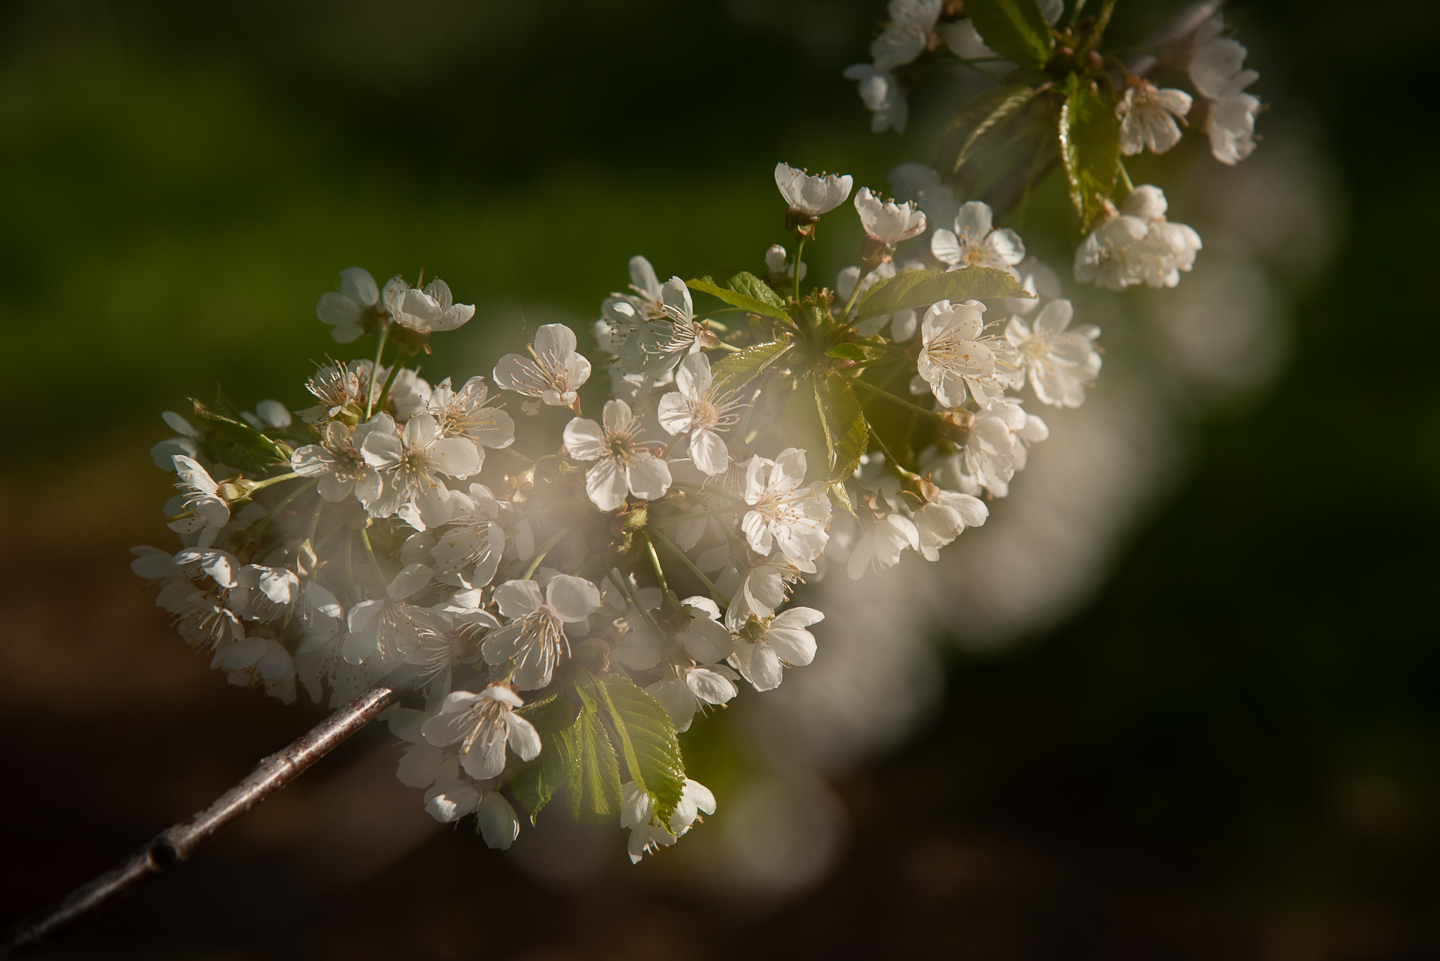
{"x":353,"y":309}
{"x":1059,"y":362}
{"x":783,"y":512}
{"x":537,"y":627}
{"x":623,"y":463}
{"x":696,"y":410}
{"x":411,"y":466}
{"x":482,"y":724}
{"x":203,"y":510}
{"x":764,"y":649}
{"x":811,"y":195}
{"x":974,"y":242}
{"x":550,"y":375}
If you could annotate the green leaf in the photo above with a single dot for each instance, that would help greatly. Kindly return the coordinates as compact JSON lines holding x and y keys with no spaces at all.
{"x":979,"y":118}
{"x":847,"y":351}
{"x":1015,"y":29}
{"x":1089,"y":147}
{"x":823,"y":417}
{"x":734,"y":371}
{"x":592,"y":772}
{"x":736,"y":299}
{"x":533,"y":784}
{"x":918,"y":289}
{"x":748,"y":285}
{"x":229,"y":440}
{"x":647,"y":739}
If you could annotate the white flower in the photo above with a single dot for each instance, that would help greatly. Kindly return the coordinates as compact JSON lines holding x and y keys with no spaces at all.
{"x":387,"y":627}
{"x":811,"y":195}
{"x":704,"y":639}
{"x":259,"y":661}
{"x":411,"y":465}
{"x":1217,"y":70}
{"x":268,"y":414}
{"x":974,"y":243}
{"x":497,"y":821}
{"x":464,"y":413}
{"x":881,"y":544}
{"x":763,"y":589}
{"x":881,"y":96}
{"x":1147,"y":117}
{"x":537,"y":626}
{"x":783,"y":513}
{"x":645,"y":283}
{"x":482,"y":724}
{"x":1059,"y":362}
{"x":776,"y":263}
{"x":907,"y":34}
{"x":694,"y":685}
{"x":165,"y":451}
{"x":350,"y":310}
{"x":202,"y":508}
{"x":646,"y":835}
{"x":426,"y":311}
{"x":997,"y":448}
{"x":886,"y":221}
{"x":660,"y":344}
{"x":942,"y":518}
{"x":552,"y":373}
{"x":450,"y":800}
{"x":764,"y":650}
{"x":921,"y":183}
{"x":422,"y":764}
{"x":409,"y":393}
{"x":1137,"y":246}
{"x":339,"y":463}
{"x":341,"y":390}
{"x":953,"y":356}
{"x":473,"y":536}
{"x":264,"y":594}
{"x":623,"y":463}
{"x":695,"y":409}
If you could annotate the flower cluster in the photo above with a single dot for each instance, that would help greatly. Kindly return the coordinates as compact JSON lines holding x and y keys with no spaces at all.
{"x":1047,"y":81}
{"x":569,"y":609}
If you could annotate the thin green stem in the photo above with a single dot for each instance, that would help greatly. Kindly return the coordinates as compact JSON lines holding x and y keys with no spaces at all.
{"x":1125,"y":179}
{"x":670,"y":546}
{"x":540,"y":554}
{"x":655,"y":564}
{"x":389,"y":382}
{"x":374,"y":561}
{"x":514,"y":453}
{"x":630,"y":595}
{"x":314,"y":521}
{"x":798,"y":251}
{"x":675,"y":520}
{"x":265,"y":521}
{"x":274,"y":480}
{"x":730,"y":347}
{"x":375,"y":369}
{"x":933,"y":415}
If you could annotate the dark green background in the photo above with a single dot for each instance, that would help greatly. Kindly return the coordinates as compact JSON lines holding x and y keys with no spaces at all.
{"x":1231,"y":752}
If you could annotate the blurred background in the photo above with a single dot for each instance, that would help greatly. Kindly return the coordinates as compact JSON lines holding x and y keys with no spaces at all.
{"x":1179,"y":698}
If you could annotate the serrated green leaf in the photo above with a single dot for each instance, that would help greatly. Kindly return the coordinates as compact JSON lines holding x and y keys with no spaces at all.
{"x":533,"y":784}
{"x":229,"y":440}
{"x":748,"y":285}
{"x":592,"y":772}
{"x":1015,"y":29}
{"x":734,"y":371}
{"x":648,"y":741}
{"x":736,"y":299}
{"x":982,"y":117}
{"x":1089,"y":147}
{"x":847,"y":352}
{"x":918,"y":289}
{"x":846,"y":433}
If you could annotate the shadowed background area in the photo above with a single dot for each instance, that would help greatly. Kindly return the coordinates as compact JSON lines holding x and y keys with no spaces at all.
{"x":1228,"y":748}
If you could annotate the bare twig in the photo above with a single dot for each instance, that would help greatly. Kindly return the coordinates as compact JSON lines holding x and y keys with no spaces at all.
{"x":176,"y":844}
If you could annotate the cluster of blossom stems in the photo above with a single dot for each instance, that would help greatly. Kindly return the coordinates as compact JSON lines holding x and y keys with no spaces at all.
{"x":572,"y":610}
{"x":1049,"y":91}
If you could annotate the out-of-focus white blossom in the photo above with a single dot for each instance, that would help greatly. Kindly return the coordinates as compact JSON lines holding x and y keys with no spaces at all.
{"x":905,"y":37}
{"x":646,"y":835}
{"x":975,"y":243}
{"x":1148,"y":116}
{"x":203,"y":510}
{"x":1217,"y":68}
{"x":881,"y":544}
{"x":1059,"y":362}
{"x":349,"y":309}
{"x":1137,"y":246}
{"x":882,"y":97}
{"x":943,"y":517}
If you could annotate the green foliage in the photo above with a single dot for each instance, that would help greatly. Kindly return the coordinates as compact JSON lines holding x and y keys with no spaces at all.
{"x":823,"y":414}
{"x":226,"y":439}
{"x":738,"y":369}
{"x":748,"y":285}
{"x":913,"y":289}
{"x":648,"y":741}
{"x":1089,"y":147}
{"x":980,"y":118}
{"x":592,"y":773}
{"x":1015,"y":29}
{"x":742,"y":300}
{"x":535,"y":783}
{"x":847,"y":352}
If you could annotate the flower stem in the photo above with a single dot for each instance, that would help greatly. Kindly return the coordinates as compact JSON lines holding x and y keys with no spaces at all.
{"x":857,"y":382}
{"x":798,"y":251}
{"x":1125,"y":179}
{"x":374,"y":561}
{"x":275,"y":480}
{"x":540,"y":554}
{"x":389,"y":382}
{"x":655,"y":563}
{"x":624,"y":587}
{"x":375,"y":369}
{"x":315,"y":521}
{"x":719,"y":596}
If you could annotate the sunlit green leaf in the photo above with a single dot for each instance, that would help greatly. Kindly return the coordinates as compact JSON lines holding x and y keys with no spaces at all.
{"x":847,"y":351}
{"x":824,"y":418}
{"x":748,"y":285}
{"x":533,"y":784}
{"x":1015,"y":29}
{"x":983,"y":116}
{"x":1089,"y":147}
{"x":918,"y":289}
{"x":592,"y":772}
{"x":647,"y":739}
{"x":734,"y":371}
{"x":737,"y":299}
